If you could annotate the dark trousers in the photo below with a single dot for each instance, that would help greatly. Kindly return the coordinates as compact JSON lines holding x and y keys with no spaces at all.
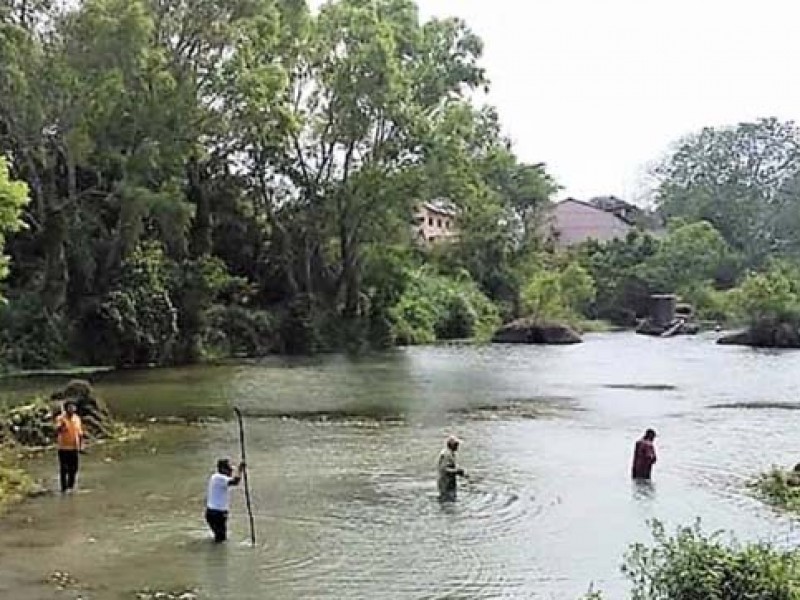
{"x":218,"y":522}
{"x":68,"y":468}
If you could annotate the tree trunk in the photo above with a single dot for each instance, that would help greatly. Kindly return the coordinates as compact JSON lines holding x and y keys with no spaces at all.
{"x":201,"y":244}
{"x":54,"y":285}
{"x":351,"y":277}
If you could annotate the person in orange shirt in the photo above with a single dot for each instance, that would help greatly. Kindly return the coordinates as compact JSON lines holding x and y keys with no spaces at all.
{"x":70,"y":444}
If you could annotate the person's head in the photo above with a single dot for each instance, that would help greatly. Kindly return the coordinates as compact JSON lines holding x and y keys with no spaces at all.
{"x":453,"y":443}
{"x":70,"y":407}
{"x":224,"y":466}
{"x":650,"y":435}
{"x":797,"y":468}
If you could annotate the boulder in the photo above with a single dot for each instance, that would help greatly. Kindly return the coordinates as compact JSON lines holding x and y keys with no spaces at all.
{"x":91,"y":409}
{"x":527,"y":331}
{"x":33,"y":424}
{"x":740,"y":338}
{"x":765,"y":335}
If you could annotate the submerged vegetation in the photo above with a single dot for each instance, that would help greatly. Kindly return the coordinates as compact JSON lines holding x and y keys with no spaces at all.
{"x":15,"y":483}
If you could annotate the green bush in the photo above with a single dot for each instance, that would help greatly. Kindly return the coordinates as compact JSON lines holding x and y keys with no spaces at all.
{"x":709,"y":304}
{"x":137,"y":322}
{"x":773,"y":295}
{"x":435,"y":306}
{"x":563,"y":294}
{"x":693,"y":565}
{"x":30,"y":337}
{"x":195,"y":285}
{"x":239,"y":331}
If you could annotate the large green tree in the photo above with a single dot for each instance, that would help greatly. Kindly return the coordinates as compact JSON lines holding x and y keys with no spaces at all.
{"x":742,"y":180}
{"x":13,"y":198}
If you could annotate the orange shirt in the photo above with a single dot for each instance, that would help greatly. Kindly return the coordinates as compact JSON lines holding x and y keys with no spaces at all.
{"x":69,"y":438}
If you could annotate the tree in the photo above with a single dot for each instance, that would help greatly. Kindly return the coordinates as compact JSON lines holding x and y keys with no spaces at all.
{"x":615,"y":266}
{"x":559,"y":293}
{"x":688,"y":254}
{"x":740,"y":179}
{"x":13,"y":198}
{"x":771,"y":296}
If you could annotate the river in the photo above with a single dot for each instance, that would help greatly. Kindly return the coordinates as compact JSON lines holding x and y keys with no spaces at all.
{"x":342,"y":463}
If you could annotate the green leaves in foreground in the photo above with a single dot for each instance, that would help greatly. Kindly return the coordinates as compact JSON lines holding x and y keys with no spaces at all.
{"x":693,"y":565}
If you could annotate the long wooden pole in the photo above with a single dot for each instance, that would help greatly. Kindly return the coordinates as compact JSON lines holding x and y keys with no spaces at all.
{"x":244,"y":476}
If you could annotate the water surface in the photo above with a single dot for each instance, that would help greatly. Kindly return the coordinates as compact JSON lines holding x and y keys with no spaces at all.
{"x":342,"y":454}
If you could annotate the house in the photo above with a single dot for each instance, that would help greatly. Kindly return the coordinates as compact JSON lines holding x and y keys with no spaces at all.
{"x":435,"y":221}
{"x":572,"y":222}
{"x":630,"y":213}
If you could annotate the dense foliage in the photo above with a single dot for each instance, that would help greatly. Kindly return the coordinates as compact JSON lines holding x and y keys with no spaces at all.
{"x":239,"y":177}
{"x":221,"y":176}
{"x":13,"y":197}
{"x":693,"y":565}
{"x":434,"y":307}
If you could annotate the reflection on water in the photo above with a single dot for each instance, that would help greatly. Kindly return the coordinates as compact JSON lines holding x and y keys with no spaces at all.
{"x":643,"y":490}
{"x":343,"y":454}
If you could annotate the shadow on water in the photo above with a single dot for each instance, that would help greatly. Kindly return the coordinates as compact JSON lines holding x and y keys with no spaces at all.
{"x":643,"y":387}
{"x":759,"y":405}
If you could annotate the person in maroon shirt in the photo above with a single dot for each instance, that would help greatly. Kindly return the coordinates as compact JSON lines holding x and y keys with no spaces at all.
{"x":644,"y":456}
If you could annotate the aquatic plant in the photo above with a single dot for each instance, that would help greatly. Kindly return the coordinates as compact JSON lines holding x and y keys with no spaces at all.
{"x":779,"y":488}
{"x":15,"y":484}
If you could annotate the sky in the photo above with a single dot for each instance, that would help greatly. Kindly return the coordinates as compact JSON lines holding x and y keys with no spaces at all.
{"x":601,"y":89}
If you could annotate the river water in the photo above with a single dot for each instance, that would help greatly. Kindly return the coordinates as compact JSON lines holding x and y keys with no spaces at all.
{"x":342,"y":459}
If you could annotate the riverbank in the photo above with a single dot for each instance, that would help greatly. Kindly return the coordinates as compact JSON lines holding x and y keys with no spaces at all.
{"x":27,"y":431}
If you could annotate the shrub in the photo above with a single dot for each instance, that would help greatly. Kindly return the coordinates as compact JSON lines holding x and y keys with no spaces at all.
{"x":692,"y":565}
{"x":30,"y":336}
{"x":435,"y":306}
{"x":769,"y":296}
{"x":235,"y":330}
{"x":559,"y":294}
{"x":136,"y":323}
{"x":709,"y":304}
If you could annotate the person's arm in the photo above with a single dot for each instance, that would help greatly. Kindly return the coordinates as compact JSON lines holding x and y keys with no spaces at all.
{"x":60,"y":425}
{"x":448,"y":466}
{"x":238,"y":476}
{"x":81,"y":435}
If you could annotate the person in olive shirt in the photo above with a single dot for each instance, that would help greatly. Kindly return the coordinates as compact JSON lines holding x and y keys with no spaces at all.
{"x":69,"y":431}
{"x":449,"y":471}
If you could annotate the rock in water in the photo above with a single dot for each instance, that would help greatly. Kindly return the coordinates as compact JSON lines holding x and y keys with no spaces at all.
{"x":527,"y":331}
{"x":766,"y":334}
{"x":92,"y":410}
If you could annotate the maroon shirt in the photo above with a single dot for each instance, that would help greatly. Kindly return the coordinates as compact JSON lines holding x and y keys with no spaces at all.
{"x":644,"y":457}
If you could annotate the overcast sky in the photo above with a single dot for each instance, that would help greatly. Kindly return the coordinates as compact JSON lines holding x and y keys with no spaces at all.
{"x":597,"y":89}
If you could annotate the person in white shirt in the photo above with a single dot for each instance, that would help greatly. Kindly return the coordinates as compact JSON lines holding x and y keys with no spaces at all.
{"x":218,"y":497}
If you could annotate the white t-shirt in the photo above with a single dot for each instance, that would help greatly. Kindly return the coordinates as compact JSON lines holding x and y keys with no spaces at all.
{"x":218,"y":497}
